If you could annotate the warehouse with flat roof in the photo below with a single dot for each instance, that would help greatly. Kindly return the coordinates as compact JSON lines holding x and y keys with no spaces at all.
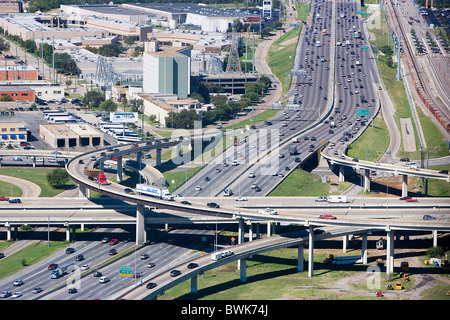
{"x":71,"y":135}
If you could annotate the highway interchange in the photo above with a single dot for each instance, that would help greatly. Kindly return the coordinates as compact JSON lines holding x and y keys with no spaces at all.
{"x":251,"y":155}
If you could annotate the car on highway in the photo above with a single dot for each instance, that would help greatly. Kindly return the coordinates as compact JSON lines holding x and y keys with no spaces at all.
{"x":79,"y":257}
{"x":105,"y":240}
{"x":112,"y":252}
{"x":428,"y":217}
{"x":412,"y":200}
{"x":103,"y":280}
{"x":150,"y":265}
{"x":97,"y":274}
{"x":151,"y":285}
{"x":37,"y":290}
{"x":444,"y":171}
{"x":85,"y":267}
{"x":70,"y":250}
{"x":175,"y":273}
{"x":4,"y":199}
{"x":326,"y":216}
{"x":192,"y":265}
{"x":212,"y":205}
{"x":17,"y":159}
{"x":16,"y":295}
{"x":5,"y":294}
{"x":113,"y":242}
{"x":144,"y":256}
{"x":321,"y":199}
{"x":198,"y":188}
{"x":16,"y":200}
{"x":18,"y":283}
{"x":52,"y":266}
{"x":241,"y":199}
{"x":268,"y":211}
{"x":405,"y":198}
{"x":73,"y":290}
{"x":185,"y":202}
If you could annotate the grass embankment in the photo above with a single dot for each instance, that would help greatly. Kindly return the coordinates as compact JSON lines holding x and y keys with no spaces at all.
{"x":36,"y":175}
{"x":277,"y":270}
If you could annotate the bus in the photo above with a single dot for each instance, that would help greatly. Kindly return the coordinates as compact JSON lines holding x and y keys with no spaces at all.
{"x":49,"y":115}
{"x":63,"y":119}
{"x":125,"y":140}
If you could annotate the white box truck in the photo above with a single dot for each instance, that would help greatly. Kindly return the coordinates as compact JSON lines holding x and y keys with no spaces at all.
{"x":337,"y":199}
{"x":216,"y":256}
{"x":157,"y":192}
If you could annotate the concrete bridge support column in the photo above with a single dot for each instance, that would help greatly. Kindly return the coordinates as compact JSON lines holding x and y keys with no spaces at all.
{"x":269,"y":229}
{"x":101,"y":166}
{"x":158,"y":156}
{"x":67,"y":232}
{"x":311,"y":252}
{"x":434,"y":238}
{"x":141,"y":235}
{"x":8,"y":231}
{"x":241,"y":231}
{"x":364,"y":248}
{"x":194,"y":284}
{"x":243,"y":270}
{"x":251,"y":232}
{"x":404,"y":185}
{"x":367,"y":179}
{"x":119,"y":169}
{"x":258,"y":232}
{"x":390,"y":253}
{"x":344,"y":243}
{"x":301,"y":260}
{"x":84,"y":192}
{"x":341,"y":173}
{"x":241,"y":234}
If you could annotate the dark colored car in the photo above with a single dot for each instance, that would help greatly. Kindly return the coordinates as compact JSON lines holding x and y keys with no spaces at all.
{"x":15,"y":200}
{"x":151,"y":285}
{"x":213,"y":205}
{"x":112,"y":252}
{"x":185,"y":202}
{"x":428,"y":217}
{"x":70,"y":250}
{"x":52,"y":266}
{"x":192,"y":265}
{"x":175,"y":273}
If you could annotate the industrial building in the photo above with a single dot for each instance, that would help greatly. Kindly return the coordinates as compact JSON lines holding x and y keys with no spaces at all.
{"x":71,"y":135}
{"x":23,"y":93}
{"x":13,"y":132}
{"x":11,"y":6}
{"x":31,"y":89}
{"x":167,"y":70}
{"x":208,"y":19}
{"x":17,"y":72}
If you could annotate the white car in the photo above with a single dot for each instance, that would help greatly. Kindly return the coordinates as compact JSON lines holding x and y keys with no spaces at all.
{"x":251,"y":175}
{"x":241,"y":199}
{"x":16,"y":295}
{"x":198,"y":188}
{"x":85,"y":267}
{"x":103,"y":280}
{"x":268,"y":211}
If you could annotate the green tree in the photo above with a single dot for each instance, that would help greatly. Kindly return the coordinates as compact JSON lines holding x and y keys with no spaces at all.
{"x":93,"y":99}
{"x":108,"y":106}
{"x":58,"y":177}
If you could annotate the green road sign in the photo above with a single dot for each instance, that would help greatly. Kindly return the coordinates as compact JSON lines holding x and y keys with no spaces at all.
{"x":125,"y":271}
{"x":364,"y":47}
{"x":362,"y":112}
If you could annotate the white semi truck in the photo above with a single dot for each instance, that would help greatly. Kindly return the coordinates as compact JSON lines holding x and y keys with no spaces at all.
{"x":157,"y":192}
